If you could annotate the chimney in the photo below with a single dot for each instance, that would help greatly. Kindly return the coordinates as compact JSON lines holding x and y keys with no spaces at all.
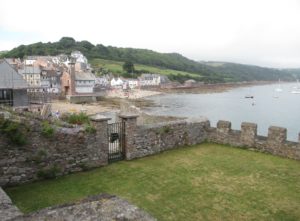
{"x":72,"y":76}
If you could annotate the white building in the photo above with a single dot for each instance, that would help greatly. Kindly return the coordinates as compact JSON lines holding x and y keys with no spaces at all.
{"x":32,"y":75}
{"x":133,"y":83}
{"x":116,"y":83}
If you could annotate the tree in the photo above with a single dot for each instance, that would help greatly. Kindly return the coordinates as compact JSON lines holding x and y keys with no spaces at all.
{"x":128,"y":67}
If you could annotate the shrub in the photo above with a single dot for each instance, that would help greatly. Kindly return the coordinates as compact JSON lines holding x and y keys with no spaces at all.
{"x":39,"y":156}
{"x":49,"y":173}
{"x":79,"y":119}
{"x":89,"y":128}
{"x":47,"y":129}
{"x":164,"y":130}
{"x":15,"y":131}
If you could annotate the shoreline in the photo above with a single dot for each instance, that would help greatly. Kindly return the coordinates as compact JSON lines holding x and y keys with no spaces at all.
{"x":214,"y":88}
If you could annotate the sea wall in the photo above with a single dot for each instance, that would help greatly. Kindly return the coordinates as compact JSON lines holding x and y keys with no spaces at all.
{"x":151,"y":139}
{"x":67,"y":150}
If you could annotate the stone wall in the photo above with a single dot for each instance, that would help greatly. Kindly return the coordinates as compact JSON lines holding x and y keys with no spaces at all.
{"x":7,"y":209}
{"x":144,"y":140}
{"x":73,"y":149}
{"x":275,"y":143}
{"x":151,"y":139}
{"x":67,"y":150}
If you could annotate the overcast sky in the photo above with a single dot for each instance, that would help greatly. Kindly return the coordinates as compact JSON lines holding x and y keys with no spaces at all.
{"x":261,"y":32}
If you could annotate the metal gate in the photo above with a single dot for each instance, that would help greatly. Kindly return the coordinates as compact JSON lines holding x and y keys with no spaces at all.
{"x":116,"y":141}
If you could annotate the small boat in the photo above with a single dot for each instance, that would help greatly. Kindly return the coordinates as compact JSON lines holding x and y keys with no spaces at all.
{"x":297,"y":91}
{"x":278,"y":89}
{"x":249,"y":96}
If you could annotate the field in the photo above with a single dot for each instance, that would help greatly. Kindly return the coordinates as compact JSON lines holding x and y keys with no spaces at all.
{"x":204,"y":182}
{"x":116,"y":67}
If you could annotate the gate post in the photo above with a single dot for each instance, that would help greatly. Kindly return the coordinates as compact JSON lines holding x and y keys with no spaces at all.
{"x":101,"y":144}
{"x":130,"y":122}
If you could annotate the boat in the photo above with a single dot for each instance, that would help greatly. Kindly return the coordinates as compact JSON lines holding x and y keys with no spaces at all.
{"x":249,"y":96}
{"x":296,"y":91}
{"x":278,"y":89}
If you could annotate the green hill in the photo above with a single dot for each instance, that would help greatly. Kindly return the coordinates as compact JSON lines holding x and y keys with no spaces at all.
{"x":175,"y":65}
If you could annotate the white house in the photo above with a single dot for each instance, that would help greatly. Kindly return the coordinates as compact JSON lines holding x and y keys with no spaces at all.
{"x":150,"y":80}
{"x":32,"y":75}
{"x":116,"y":83}
{"x":133,"y":83}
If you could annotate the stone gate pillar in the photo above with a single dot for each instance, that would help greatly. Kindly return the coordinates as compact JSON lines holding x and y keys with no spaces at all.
{"x":101,"y":145}
{"x":130,"y":121}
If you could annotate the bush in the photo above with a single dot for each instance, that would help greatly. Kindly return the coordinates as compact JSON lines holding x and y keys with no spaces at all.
{"x":89,"y":128}
{"x":79,"y":119}
{"x":15,"y":131}
{"x":49,"y":173}
{"x":47,"y":129}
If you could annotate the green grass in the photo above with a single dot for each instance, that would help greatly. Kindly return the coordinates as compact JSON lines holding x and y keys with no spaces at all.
{"x":204,"y":182}
{"x":116,"y":67}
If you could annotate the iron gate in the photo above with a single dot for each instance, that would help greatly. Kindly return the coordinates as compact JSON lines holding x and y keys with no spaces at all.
{"x":116,"y":141}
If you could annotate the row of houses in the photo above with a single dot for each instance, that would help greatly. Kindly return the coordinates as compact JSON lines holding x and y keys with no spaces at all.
{"x":144,"y":81}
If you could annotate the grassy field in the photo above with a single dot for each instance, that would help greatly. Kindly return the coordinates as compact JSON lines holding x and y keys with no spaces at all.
{"x":204,"y":182}
{"x":116,"y":67}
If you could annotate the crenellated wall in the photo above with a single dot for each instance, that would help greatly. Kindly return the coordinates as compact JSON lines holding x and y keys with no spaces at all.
{"x":147,"y":140}
{"x":74,"y":149}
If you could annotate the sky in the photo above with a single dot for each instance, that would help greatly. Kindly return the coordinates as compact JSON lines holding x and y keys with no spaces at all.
{"x":259,"y":32}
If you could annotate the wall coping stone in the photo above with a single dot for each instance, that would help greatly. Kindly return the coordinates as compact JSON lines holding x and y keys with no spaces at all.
{"x":99,"y":118}
{"x":128,"y":116}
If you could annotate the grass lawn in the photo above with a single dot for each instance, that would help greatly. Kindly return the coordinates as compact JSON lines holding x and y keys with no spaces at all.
{"x":204,"y":182}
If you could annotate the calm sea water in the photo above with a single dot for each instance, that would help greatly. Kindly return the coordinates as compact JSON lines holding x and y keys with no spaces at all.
{"x":267,"y":108}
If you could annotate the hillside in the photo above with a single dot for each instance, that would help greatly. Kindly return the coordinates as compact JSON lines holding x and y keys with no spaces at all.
{"x":170,"y":62}
{"x":115,"y":67}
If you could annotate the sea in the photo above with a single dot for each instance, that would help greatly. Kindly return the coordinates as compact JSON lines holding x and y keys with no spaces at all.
{"x":271,"y":105}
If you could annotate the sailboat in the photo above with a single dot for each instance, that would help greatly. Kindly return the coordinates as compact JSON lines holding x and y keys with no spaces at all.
{"x":296,"y":89}
{"x":278,"y":89}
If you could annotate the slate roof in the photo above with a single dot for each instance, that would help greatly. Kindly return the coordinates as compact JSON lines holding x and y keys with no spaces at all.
{"x":10,"y":78}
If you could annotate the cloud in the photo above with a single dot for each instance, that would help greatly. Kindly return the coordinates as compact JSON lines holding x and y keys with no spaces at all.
{"x":249,"y":31}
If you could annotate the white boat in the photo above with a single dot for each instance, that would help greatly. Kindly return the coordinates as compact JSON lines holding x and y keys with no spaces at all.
{"x":296,"y":91}
{"x":278,"y":89}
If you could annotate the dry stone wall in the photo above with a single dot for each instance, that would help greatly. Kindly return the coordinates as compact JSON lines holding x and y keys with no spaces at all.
{"x":68,"y":150}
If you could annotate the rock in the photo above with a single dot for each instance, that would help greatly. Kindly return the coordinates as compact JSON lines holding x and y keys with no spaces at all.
{"x":102,"y":207}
